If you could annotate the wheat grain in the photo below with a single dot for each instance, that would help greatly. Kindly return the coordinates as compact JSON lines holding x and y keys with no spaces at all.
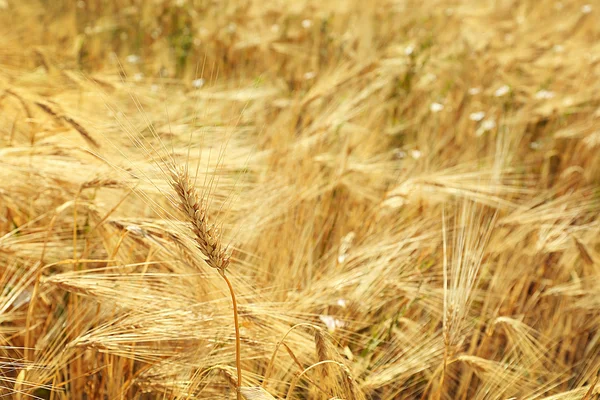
{"x":207,"y":236}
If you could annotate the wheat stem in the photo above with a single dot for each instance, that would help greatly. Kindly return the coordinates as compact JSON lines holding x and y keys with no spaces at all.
{"x":208,"y":240}
{"x":272,"y":360}
{"x":238,"y":342}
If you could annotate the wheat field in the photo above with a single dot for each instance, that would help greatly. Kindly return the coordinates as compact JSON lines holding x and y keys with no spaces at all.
{"x":395,"y":199}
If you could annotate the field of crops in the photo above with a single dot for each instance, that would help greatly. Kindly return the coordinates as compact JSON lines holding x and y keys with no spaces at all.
{"x":308,"y":200}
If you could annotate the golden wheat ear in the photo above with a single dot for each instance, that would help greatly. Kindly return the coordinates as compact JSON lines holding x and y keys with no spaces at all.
{"x":206,"y":235}
{"x":208,"y":238}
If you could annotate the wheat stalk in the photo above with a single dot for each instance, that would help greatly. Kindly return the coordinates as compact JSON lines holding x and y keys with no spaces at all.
{"x":208,"y":239}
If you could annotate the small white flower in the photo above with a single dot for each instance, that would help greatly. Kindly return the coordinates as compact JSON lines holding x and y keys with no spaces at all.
{"x":408,"y":50}
{"x":535,"y":145}
{"x":488,"y":124}
{"x":342,"y":303}
{"x":474,"y":90}
{"x":477,"y":116}
{"x":138,"y":77}
{"x":544,"y":94}
{"x":399,"y":154}
{"x":502,"y":91}
{"x":231,"y":27}
{"x":274,"y":28}
{"x":416,"y":154}
{"x":331,"y":323}
{"x":436,"y":107}
{"x":309,"y":75}
{"x":154,"y":88}
{"x":586,"y":8}
{"x":132,"y":59}
{"x":198,"y":83}
{"x":307,"y":23}
{"x":558,"y":48}
{"x":485,"y":126}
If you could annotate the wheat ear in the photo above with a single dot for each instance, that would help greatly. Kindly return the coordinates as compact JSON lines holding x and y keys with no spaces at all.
{"x":206,"y":235}
{"x":208,"y":239}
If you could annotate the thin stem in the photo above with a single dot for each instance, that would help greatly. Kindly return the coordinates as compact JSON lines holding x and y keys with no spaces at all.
{"x":298,"y":376}
{"x":270,"y":366}
{"x":238,"y":342}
